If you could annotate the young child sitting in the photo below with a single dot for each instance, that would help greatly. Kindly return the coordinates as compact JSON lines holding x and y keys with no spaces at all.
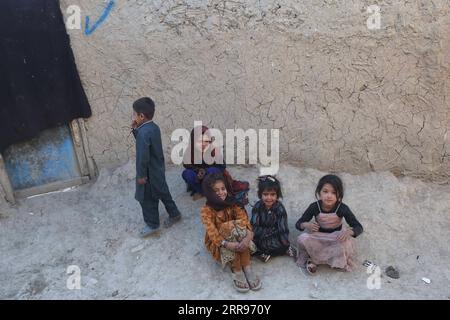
{"x":228,"y":232}
{"x":194,"y":173}
{"x":269,"y":221}
{"x":326,"y":240}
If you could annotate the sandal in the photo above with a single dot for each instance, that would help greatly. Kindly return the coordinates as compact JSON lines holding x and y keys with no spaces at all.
{"x":253,"y":280}
{"x":310,"y":267}
{"x":264,"y":257}
{"x":239,"y":281}
{"x":291,"y":252}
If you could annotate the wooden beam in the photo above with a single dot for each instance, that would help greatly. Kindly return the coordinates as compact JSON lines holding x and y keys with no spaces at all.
{"x":78,"y":146}
{"x":5,"y":183}
{"x":85,"y":160}
{"x":87,"y":151}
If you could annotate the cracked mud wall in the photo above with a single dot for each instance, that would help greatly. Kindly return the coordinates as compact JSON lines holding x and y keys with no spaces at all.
{"x":345,"y":98}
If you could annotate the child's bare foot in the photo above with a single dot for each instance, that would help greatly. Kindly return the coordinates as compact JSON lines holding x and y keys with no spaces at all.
{"x":311,"y":267}
{"x":197,"y":196}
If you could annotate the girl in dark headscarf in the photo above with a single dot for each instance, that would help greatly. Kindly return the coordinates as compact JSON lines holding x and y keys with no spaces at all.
{"x":228,"y":234}
{"x":194,"y":173}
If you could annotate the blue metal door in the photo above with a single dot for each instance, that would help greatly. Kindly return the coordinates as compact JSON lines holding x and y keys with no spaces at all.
{"x":48,"y":158}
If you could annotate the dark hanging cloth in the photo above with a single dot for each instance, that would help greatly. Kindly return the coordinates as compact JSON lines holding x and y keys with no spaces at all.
{"x":39,"y":83}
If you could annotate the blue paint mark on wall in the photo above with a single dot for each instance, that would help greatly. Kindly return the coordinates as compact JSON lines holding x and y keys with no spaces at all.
{"x":89,"y":30}
{"x":48,"y":158}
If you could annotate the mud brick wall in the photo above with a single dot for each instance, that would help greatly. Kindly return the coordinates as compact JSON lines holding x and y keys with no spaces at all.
{"x":345,"y":98}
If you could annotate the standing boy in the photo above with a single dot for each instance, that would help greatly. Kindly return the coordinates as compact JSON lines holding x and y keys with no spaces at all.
{"x":151,"y":185}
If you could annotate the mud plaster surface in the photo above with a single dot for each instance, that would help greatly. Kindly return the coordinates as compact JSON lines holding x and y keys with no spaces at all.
{"x":345,"y":98}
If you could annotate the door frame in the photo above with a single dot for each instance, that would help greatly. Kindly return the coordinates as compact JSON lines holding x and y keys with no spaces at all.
{"x":85,"y":163}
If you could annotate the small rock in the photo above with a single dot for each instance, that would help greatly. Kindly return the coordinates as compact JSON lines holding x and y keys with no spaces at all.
{"x":138,"y":248}
{"x":31,"y":213}
{"x":369,"y":264}
{"x":115,"y":293}
{"x":426,"y":280}
{"x":393,"y":273}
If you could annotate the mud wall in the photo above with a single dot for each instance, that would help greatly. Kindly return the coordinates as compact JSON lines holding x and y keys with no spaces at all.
{"x":345,"y":97}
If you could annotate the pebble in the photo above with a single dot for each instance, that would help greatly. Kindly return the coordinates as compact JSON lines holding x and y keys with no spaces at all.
{"x":138,"y":248}
{"x":426,"y":280}
{"x":392,"y":272}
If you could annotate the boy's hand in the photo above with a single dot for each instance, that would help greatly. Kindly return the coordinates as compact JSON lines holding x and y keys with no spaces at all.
{"x":142,"y":181}
{"x":311,"y":226}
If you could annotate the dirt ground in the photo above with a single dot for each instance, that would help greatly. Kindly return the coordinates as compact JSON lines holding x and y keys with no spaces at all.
{"x":95,"y":227}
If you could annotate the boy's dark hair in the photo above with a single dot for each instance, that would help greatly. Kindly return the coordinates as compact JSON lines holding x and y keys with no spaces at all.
{"x":146,"y":106}
{"x":335,"y":182}
{"x":269,"y":183}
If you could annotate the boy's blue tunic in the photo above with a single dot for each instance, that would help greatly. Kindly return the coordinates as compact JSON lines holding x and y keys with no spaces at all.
{"x":150,"y":162}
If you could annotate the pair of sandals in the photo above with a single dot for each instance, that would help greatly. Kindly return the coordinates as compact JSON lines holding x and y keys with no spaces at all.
{"x":245,"y":280}
{"x":264,"y":257}
{"x":291,"y":252}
